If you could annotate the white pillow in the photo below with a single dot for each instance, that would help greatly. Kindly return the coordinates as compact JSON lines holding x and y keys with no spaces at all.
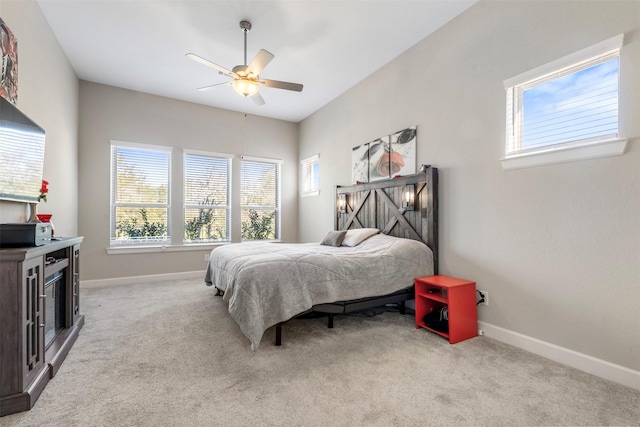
{"x":358,"y":235}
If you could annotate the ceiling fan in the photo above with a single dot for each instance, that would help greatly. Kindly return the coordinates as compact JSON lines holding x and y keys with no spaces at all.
{"x":246,"y":78}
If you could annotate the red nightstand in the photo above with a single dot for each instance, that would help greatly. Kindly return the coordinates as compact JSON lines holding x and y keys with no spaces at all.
{"x":458,"y":295}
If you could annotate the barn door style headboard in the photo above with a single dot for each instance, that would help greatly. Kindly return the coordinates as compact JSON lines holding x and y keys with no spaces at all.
{"x":380,"y":205}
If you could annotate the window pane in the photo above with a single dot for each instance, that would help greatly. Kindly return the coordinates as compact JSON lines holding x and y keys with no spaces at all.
{"x":141,"y":176}
{"x":311,"y":176}
{"x":316,"y":176}
{"x":259,"y":182}
{"x":259,"y":200}
{"x":258,"y":224}
{"x":140,"y":195}
{"x":205,"y":225}
{"x":578,"y":106}
{"x":135,"y":224}
{"x":206,"y":180}
{"x":206,"y":198}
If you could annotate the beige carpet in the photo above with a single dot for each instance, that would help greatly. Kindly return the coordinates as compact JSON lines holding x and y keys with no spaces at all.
{"x":167,"y":353}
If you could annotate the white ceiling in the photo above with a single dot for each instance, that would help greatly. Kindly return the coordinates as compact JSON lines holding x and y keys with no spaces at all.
{"x":327,"y":45}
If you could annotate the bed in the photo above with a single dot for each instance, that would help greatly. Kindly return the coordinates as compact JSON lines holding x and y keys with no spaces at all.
{"x":388,"y":244}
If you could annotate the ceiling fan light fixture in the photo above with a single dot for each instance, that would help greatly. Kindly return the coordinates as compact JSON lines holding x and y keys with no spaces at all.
{"x":246,"y":78}
{"x":245,"y":87}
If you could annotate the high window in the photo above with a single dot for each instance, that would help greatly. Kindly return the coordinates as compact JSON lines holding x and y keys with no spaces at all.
{"x":569,"y":103}
{"x":260,"y":198}
{"x":140,"y":193}
{"x":207,"y":189}
{"x":310,"y":172}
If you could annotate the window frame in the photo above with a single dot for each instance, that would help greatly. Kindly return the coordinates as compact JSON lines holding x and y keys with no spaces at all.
{"x":277,"y":208}
{"x":227,"y":207}
{"x":113,"y":204}
{"x":561,"y":152}
{"x":308,"y":175}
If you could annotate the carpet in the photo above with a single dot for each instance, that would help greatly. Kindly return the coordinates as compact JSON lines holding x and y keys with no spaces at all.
{"x":168,"y":354}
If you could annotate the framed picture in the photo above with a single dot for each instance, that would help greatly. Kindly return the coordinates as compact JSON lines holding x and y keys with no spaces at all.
{"x":385,"y":157}
{"x":360,"y":163}
{"x":379,"y":159}
{"x":403,"y":152}
{"x":8,"y":64}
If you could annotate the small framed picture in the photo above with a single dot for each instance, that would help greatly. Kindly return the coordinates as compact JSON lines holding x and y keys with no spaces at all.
{"x":8,"y":64}
{"x":360,"y":163}
{"x":403,"y":152}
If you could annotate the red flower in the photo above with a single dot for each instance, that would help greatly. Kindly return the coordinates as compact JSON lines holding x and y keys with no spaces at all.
{"x":44,"y":189}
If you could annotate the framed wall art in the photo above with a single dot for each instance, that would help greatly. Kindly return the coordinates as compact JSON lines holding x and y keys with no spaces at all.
{"x":379,"y":159}
{"x":385,"y":157}
{"x":360,"y":163}
{"x":402,"y":160}
{"x":8,"y":64}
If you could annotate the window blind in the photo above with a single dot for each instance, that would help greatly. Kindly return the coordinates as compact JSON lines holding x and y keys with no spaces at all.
{"x":139,"y":194}
{"x":310,"y":174}
{"x":574,"y":107}
{"x":207,"y":180}
{"x":573,"y":100}
{"x":260,"y":199}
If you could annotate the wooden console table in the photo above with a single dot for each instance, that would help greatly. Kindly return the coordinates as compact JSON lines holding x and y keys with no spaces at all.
{"x":39,"y":318}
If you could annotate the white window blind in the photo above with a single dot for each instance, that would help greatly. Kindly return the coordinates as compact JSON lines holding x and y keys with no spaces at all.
{"x":569,"y":102}
{"x":260,"y":199}
{"x":310,"y":175}
{"x":140,"y":191}
{"x":207,"y":187}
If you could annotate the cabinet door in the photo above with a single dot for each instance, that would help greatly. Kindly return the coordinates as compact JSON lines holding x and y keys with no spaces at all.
{"x":75,"y":282}
{"x":33,"y":312}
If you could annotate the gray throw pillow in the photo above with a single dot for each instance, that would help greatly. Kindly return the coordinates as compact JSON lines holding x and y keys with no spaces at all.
{"x":334,"y":238}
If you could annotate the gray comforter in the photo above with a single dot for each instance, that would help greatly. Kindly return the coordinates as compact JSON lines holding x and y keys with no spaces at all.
{"x":266,"y":283}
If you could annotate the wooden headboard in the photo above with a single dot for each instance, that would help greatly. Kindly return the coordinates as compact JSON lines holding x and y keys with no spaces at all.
{"x":379,"y":205}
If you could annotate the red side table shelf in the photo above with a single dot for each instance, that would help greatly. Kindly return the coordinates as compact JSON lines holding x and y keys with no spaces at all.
{"x":458,"y":295}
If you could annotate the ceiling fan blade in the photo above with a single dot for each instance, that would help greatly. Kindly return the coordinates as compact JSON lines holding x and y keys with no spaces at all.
{"x":261,"y":60}
{"x":212,"y":86}
{"x":208,"y":63}
{"x":282,"y":85}
{"x":257,"y":98}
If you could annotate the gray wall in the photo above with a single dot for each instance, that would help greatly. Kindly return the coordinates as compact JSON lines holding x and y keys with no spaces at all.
{"x":48,"y":94}
{"x":557,"y":247}
{"x":108,"y":113}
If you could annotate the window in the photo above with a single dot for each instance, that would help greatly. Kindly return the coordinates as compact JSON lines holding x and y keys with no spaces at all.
{"x":311,"y":176}
{"x":207,"y":179}
{"x":563,"y":105}
{"x":140,"y":192}
{"x":260,"y":198}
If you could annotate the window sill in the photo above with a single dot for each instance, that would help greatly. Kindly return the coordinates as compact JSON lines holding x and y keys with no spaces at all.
{"x":595,"y":150}
{"x":310,"y":193}
{"x":123,"y":250}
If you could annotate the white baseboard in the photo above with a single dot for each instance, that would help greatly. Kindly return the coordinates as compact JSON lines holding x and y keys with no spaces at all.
{"x":140,"y":279}
{"x":598,"y":367}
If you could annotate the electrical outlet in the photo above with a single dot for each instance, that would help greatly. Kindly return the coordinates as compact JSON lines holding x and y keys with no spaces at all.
{"x":484,"y":297}
{"x":206,"y":257}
